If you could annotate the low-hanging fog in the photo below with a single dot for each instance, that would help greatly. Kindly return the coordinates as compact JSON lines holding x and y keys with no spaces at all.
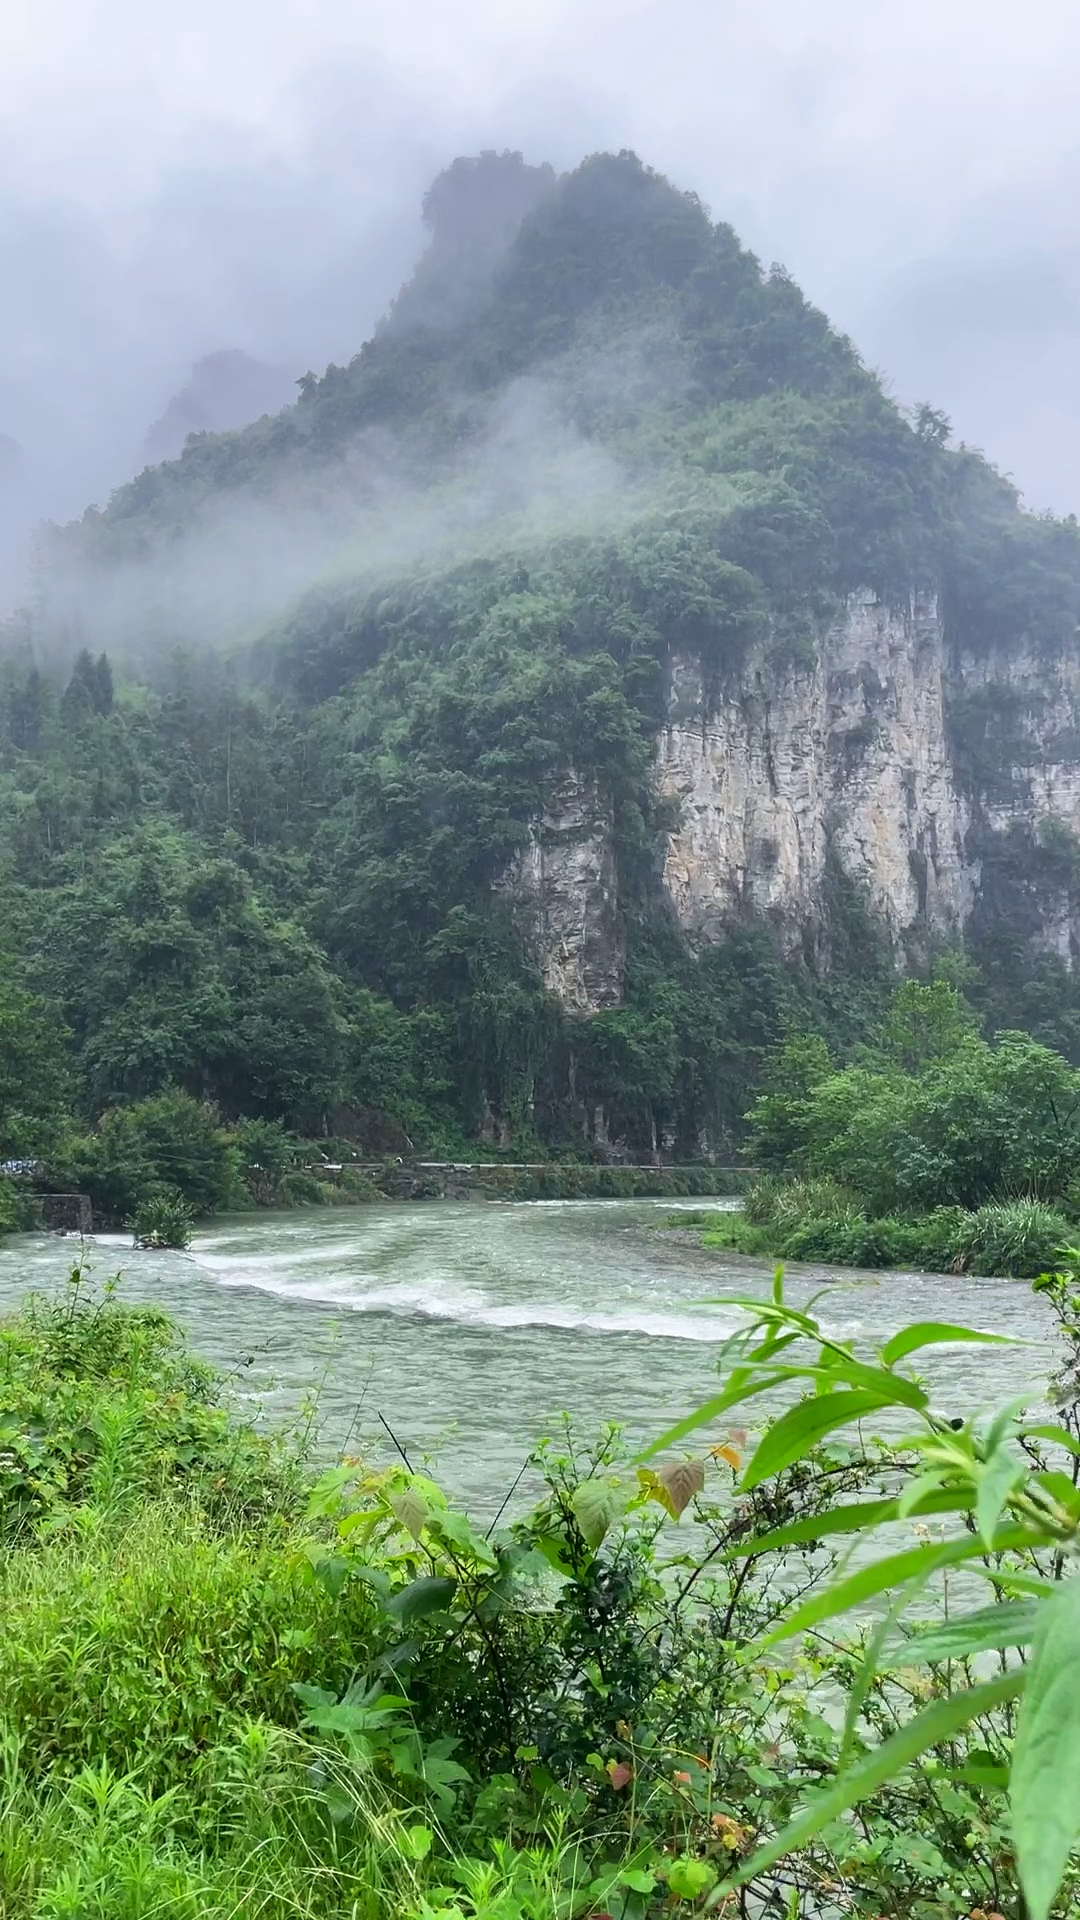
{"x":197,"y":209}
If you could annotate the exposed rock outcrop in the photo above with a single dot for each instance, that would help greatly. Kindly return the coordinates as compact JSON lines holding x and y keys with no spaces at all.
{"x":845,"y":758}
{"x":567,"y":879}
{"x":873,"y":748}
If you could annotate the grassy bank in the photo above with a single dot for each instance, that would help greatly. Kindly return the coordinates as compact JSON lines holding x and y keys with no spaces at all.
{"x":817,"y":1220}
{"x":232,"y":1684}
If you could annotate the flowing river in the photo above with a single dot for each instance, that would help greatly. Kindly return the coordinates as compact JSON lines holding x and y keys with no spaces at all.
{"x":472,"y":1328}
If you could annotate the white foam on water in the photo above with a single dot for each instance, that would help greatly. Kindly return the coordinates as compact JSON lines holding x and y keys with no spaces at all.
{"x":454,"y":1300}
{"x":215,"y":1255}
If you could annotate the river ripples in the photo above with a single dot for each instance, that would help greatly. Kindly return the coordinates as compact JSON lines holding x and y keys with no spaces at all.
{"x":472,"y":1328}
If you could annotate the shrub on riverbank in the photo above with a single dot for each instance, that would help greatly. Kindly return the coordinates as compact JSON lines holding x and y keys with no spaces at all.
{"x":817,"y":1221}
{"x":930,"y":1115}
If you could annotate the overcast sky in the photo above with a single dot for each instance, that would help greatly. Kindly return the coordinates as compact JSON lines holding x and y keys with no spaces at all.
{"x":192,"y":175}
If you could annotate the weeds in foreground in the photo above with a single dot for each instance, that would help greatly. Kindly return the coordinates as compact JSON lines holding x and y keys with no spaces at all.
{"x":220,"y":1697}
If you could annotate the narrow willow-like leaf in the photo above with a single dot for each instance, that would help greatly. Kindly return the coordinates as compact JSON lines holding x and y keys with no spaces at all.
{"x":891,"y":1386}
{"x":1056,"y":1435}
{"x":931,"y":1333}
{"x":1044,"y":1785}
{"x":861,"y":1685}
{"x":1008,"y":1579}
{"x":1001,"y":1473}
{"x":935,"y":1724}
{"x":896,"y":1570}
{"x":917,"y":1490}
{"x":1003,"y":1424}
{"x":1011,"y":1624}
{"x":1060,"y":1488}
{"x":799,"y":1429}
{"x":711,"y":1410}
{"x":854,"y":1518}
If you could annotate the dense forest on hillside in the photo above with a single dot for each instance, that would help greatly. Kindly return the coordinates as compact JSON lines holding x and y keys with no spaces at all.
{"x":263,"y":871}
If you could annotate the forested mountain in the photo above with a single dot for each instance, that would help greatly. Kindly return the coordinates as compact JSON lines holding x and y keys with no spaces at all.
{"x":595,"y":679}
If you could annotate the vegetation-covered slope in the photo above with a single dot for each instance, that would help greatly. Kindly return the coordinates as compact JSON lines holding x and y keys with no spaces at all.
{"x":591,"y":430}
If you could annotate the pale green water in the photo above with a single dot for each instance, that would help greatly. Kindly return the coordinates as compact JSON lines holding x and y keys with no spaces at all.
{"x":471,"y":1328}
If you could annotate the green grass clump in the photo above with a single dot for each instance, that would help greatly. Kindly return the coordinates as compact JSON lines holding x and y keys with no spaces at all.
{"x":144,"y":1635}
{"x":1022,"y":1237}
{"x":165,"y":1220}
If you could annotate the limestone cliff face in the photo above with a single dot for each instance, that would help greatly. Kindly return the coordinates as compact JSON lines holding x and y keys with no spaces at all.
{"x":847,"y":757}
{"x":567,"y":881}
{"x":879,"y":752}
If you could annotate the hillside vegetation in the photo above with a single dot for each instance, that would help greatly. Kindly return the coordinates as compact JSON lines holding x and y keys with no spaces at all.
{"x":263,"y":871}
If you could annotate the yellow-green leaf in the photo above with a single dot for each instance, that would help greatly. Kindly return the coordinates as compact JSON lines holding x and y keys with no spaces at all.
{"x":411,"y":1510}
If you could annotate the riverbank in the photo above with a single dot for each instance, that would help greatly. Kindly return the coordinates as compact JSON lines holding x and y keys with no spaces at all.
{"x":809,"y":1220}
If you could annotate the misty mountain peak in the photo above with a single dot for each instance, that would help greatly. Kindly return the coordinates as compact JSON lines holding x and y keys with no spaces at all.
{"x":223,"y":390}
{"x":481,"y":201}
{"x":473,"y":211}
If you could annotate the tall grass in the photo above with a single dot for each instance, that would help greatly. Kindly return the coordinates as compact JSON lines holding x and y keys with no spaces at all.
{"x":819,"y":1220}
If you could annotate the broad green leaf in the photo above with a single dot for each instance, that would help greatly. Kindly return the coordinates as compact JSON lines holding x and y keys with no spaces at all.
{"x":637,"y":1880}
{"x":555,"y":1549}
{"x":931,"y":1333}
{"x":1001,"y":1473}
{"x":895,"y":1570}
{"x":935,"y":1724}
{"x":1011,"y":1624}
{"x":430,"y":1594}
{"x":345,"y":1718}
{"x":428,"y":1490}
{"x":1044,"y":1787}
{"x":458,"y":1531}
{"x":854,"y":1518}
{"x":597,"y":1504}
{"x":531,"y":1578}
{"x":331,"y":1571}
{"x":989,"y":1778}
{"x":802,"y":1426}
{"x":689,"y":1878}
